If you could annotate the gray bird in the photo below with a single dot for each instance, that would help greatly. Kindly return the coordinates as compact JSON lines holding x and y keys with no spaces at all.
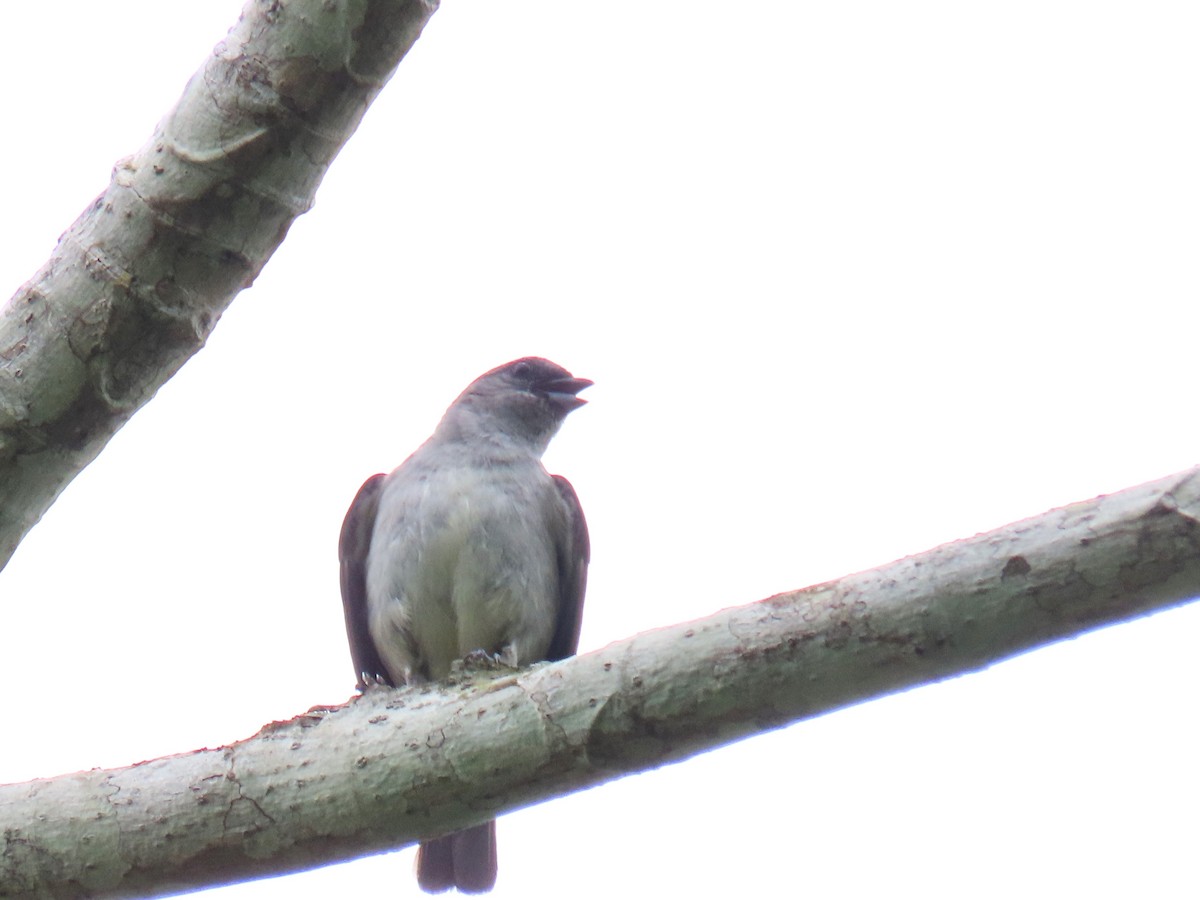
{"x":469,"y":545}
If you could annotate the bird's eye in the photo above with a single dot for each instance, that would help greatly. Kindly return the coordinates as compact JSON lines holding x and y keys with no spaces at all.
{"x":522,"y":369}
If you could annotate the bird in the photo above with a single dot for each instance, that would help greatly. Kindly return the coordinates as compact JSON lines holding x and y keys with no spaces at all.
{"x":469,"y":546}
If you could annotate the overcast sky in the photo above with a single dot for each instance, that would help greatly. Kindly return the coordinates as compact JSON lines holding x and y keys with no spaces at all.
{"x":853,"y":279}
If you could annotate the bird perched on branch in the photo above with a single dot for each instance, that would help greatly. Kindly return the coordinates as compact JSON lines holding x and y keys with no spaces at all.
{"x":470,"y":545}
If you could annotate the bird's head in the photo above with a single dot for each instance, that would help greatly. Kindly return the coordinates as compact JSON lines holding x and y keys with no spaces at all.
{"x":524,"y":401}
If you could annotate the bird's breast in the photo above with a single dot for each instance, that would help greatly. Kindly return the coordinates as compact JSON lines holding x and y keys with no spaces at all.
{"x":462,"y":559}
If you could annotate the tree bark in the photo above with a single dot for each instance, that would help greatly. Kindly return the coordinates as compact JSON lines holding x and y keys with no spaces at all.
{"x":137,"y":283}
{"x":393,"y":766}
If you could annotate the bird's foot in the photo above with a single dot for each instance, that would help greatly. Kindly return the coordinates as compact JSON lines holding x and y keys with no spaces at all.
{"x":368,"y":682}
{"x":481,"y":660}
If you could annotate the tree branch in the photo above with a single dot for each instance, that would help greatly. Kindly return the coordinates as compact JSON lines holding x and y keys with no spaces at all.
{"x":394,"y":766}
{"x":137,"y":283}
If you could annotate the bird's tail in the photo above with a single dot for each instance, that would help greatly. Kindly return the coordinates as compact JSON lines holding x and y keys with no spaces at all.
{"x":465,"y":860}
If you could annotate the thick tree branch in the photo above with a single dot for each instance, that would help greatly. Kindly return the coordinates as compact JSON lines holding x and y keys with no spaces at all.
{"x":138,"y":282}
{"x":394,"y":766}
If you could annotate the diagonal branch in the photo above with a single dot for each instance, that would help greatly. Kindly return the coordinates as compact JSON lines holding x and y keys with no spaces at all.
{"x":137,"y":283}
{"x":394,"y":766}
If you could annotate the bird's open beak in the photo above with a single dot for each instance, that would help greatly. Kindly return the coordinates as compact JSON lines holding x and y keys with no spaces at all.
{"x":561,"y":392}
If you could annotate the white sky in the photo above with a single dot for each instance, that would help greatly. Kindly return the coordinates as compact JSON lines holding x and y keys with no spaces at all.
{"x":853,"y":279}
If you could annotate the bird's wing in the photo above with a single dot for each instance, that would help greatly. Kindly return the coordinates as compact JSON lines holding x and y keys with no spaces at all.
{"x":353,"y":547}
{"x":574,"y":552}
